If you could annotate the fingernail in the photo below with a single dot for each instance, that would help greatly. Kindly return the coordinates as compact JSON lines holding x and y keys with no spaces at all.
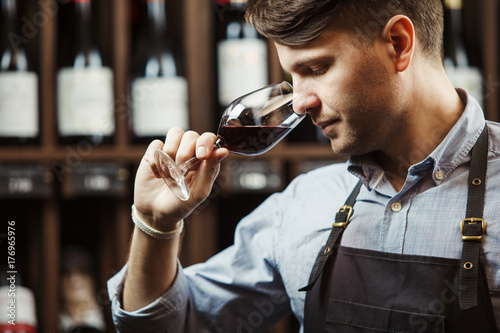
{"x":201,"y":152}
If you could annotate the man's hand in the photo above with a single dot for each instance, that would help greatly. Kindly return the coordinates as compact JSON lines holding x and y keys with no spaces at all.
{"x":153,"y":200}
{"x":153,"y":262}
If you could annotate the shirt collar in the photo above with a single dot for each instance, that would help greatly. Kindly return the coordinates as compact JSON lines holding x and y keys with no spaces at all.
{"x":444,"y":159}
{"x":459,"y":141}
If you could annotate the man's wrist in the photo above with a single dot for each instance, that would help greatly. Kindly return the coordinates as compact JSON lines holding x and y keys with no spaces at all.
{"x":155,"y":233}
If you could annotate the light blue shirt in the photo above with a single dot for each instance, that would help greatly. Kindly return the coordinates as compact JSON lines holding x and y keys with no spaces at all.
{"x":255,"y":282}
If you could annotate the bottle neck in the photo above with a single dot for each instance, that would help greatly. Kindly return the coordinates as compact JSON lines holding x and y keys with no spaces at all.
{"x":161,"y":60}
{"x":459,"y":54}
{"x":86,"y":51}
{"x":8,"y":17}
{"x":237,"y":27}
{"x":12,"y":57}
{"x":238,"y":4}
{"x":157,"y":17}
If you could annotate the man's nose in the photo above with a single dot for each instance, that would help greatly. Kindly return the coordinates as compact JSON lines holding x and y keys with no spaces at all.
{"x":304,"y":99}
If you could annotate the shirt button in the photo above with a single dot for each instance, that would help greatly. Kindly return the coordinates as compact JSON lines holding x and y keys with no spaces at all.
{"x":439,"y":175}
{"x":396,"y":207}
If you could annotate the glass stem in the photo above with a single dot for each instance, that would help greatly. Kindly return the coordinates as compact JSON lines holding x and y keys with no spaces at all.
{"x":193,"y":161}
{"x":186,"y":166}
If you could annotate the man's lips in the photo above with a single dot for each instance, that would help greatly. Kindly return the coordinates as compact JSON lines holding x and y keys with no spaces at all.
{"x":325,"y":126}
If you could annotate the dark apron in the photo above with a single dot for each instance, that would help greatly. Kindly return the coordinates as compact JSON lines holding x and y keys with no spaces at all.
{"x":355,"y":290}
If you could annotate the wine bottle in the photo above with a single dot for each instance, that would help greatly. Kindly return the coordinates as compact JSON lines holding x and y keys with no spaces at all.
{"x":242,"y":55}
{"x":159,"y":90}
{"x":85,"y":86}
{"x":18,"y":303}
{"x":18,"y":85}
{"x":458,"y":67}
{"x":80,"y":311}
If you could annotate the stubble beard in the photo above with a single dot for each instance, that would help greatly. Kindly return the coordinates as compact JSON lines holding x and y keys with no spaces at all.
{"x":362,"y":135}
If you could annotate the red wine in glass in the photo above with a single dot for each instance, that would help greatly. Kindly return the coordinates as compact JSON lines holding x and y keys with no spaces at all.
{"x":251,"y":125}
{"x":251,"y":140}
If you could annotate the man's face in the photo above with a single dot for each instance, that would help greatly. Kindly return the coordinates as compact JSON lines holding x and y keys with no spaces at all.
{"x":350,"y":91}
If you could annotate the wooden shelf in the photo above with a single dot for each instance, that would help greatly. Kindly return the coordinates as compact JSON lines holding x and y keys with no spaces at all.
{"x":133,"y":154}
{"x":118,"y":154}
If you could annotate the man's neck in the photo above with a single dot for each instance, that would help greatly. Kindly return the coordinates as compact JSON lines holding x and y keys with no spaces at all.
{"x":435,"y":109}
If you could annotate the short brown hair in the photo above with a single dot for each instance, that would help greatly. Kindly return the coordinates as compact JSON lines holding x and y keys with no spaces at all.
{"x":297,"y":22}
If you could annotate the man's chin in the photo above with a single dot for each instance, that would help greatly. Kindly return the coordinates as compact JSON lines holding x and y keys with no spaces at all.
{"x":340,"y":150}
{"x":343,"y":149}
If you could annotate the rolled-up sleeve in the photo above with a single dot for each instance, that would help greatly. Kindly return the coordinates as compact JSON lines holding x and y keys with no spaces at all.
{"x":165,"y":314}
{"x":239,"y":289}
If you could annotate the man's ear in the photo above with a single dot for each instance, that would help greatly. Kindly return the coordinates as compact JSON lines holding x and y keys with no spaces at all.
{"x":399,"y":32}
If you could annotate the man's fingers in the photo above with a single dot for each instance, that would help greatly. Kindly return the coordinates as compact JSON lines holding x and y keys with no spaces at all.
{"x":150,"y":158}
{"x":205,"y":145}
{"x":207,"y":174}
{"x":172,"y":141}
{"x":187,"y":147}
{"x":184,"y":145}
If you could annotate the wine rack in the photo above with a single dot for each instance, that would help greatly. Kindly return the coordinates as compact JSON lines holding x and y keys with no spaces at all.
{"x":96,"y":182}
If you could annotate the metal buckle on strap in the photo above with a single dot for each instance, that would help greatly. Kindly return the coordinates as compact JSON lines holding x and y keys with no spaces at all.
{"x":472,"y":220}
{"x":344,"y":209}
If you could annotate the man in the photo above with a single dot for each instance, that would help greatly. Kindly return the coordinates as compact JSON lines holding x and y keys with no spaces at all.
{"x":415,"y":246}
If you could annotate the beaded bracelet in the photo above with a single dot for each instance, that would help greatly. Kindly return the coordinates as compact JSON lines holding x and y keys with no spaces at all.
{"x":148,"y":230}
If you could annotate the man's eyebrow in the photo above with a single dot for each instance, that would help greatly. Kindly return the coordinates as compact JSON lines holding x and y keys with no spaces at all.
{"x":303,"y":62}
{"x":294,"y":67}
{"x":298,"y":65}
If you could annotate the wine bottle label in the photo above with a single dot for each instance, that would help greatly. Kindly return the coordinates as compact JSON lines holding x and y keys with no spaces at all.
{"x":453,"y":4}
{"x":85,"y":101}
{"x":18,"y":303}
{"x":238,"y":2}
{"x":242,"y":67}
{"x":18,"y":104}
{"x":159,"y":104}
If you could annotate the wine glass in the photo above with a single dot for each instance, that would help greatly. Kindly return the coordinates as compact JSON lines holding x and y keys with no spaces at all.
{"x":251,"y":125}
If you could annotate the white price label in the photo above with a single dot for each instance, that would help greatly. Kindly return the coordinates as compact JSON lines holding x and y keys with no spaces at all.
{"x":99,"y":183}
{"x":20,"y":185}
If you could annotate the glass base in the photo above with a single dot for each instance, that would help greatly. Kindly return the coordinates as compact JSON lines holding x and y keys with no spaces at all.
{"x":172,"y":175}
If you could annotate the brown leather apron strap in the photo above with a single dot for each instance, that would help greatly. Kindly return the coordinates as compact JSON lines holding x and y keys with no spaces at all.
{"x":341,"y":221}
{"x":473,"y":226}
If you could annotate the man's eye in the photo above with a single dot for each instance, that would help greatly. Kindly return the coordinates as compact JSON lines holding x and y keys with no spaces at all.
{"x":320,"y":71}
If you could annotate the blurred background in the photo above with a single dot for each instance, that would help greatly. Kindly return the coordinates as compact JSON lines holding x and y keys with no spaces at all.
{"x":86,"y":84}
